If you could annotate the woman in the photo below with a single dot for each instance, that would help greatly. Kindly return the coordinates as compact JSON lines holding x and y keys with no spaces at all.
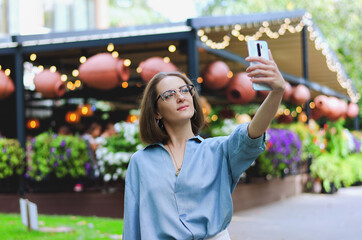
{"x":180,"y":186}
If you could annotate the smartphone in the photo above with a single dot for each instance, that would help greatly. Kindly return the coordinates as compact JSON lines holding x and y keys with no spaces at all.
{"x":258,"y":49}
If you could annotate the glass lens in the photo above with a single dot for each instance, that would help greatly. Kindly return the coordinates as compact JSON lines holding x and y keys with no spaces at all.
{"x":168,"y":95}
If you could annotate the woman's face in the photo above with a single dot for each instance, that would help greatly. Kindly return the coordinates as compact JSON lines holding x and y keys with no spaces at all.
{"x":177,"y":107}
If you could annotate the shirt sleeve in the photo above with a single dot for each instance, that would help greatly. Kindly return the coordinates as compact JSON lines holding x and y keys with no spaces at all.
{"x":242,"y":151}
{"x":131,"y":218}
{"x":131,"y":221}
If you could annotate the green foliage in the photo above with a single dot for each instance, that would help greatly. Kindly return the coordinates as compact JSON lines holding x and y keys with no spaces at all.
{"x":326,"y":167}
{"x":11,"y":158}
{"x":336,"y":139}
{"x":334,"y":169}
{"x":84,"y":227}
{"x":56,"y":154}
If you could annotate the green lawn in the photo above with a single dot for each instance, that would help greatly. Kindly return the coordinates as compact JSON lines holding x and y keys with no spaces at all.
{"x":11,"y":228}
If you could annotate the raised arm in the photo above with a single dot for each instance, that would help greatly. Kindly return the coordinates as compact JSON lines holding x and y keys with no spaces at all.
{"x":269,"y":107}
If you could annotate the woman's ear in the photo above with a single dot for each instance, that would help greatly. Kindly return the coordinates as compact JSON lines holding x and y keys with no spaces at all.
{"x":158,"y":116}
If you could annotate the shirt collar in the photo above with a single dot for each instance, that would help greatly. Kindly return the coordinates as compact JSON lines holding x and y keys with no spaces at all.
{"x":197,"y":138}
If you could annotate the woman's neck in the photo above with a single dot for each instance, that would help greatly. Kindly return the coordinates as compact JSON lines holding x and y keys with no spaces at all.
{"x":179,"y":133}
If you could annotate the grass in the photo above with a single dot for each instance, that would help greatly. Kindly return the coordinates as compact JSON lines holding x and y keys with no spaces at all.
{"x":11,"y":228}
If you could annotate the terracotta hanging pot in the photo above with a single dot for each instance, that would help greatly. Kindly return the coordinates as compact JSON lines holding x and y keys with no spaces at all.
{"x":215,"y":75}
{"x":103,"y":71}
{"x":123,"y":71}
{"x":322,"y":105}
{"x":49,"y":84}
{"x":300,"y":94}
{"x":6,"y":85}
{"x":287,"y":119}
{"x":240,"y":89}
{"x":150,"y":67}
{"x":336,"y":110}
{"x":344,"y":108}
{"x":352,"y":110}
{"x":288,"y":91}
{"x":316,"y":114}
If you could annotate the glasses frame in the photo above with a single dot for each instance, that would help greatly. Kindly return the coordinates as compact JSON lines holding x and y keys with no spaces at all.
{"x":191,"y":88}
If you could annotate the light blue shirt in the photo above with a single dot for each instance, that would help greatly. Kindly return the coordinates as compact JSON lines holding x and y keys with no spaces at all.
{"x":197,"y":203}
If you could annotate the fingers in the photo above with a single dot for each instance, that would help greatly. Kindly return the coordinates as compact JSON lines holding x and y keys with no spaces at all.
{"x":260,"y":72}
{"x":270,"y":55}
{"x":257,"y":59}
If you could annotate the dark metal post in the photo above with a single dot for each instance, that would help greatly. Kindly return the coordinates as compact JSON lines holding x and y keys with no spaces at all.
{"x":305,"y":64}
{"x":20,"y":109}
{"x":356,"y":123}
{"x":19,"y":95}
{"x":193,"y":57}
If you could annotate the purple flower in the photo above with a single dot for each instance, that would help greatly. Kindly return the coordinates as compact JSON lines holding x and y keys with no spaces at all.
{"x":55,"y":135}
{"x":52,"y":150}
{"x":285,"y":147}
{"x":26,"y":175}
{"x":357,"y":144}
{"x":56,"y":164}
{"x":4,"y":150}
{"x":62,"y":144}
{"x":69,"y":152}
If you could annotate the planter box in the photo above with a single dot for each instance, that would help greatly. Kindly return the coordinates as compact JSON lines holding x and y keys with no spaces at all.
{"x":111,"y":204}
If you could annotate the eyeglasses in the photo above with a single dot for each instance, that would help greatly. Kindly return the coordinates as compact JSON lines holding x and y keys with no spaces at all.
{"x":170,"y":95}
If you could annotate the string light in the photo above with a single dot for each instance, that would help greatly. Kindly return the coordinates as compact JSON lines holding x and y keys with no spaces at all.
{"x":82,"y":59}
{"x":115,"y":54}
{"x":7,"y":72}
{"x":110,"y":47}
{"x":64,"y":77}
{"x":53,"y":69}
{"x":125,"y":84}
{"x":77,"y":83}
{"x":33,"y":57}
{"x":172,"y":48}
{"x":75,"y":73}
{"x":284,"y":26}
{"x":127,"y":62}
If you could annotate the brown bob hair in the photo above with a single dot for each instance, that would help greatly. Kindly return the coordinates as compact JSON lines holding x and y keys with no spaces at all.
{"x":150,"y":130}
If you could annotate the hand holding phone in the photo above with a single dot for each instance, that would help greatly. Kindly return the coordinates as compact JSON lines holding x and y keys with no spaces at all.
{"x":258,"y":49}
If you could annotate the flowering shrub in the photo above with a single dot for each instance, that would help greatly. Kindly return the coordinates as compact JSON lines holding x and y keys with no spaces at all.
{"x":224,"y":128}
{"x":312,"y":138}
{"x":114,"y":152}
{"x":11,"y":158}
{"x":283,"y":152}
{"x":50,"y":153}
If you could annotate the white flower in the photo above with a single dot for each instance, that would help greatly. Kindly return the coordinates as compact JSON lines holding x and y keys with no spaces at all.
{"x":115,"y":177}
{"x":107,"y":177}
{"x":117,"y":127}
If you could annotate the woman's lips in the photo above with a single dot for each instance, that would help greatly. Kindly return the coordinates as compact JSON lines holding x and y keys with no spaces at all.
{"x":182,"y":108}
